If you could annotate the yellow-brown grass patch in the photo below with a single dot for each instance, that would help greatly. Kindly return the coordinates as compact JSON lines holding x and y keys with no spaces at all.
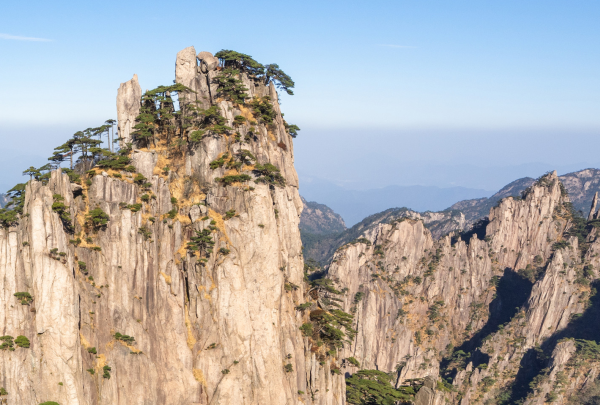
{"x":191,"y":340}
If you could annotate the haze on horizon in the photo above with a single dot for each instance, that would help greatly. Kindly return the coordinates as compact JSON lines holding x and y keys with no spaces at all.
{"x":433,"y":93}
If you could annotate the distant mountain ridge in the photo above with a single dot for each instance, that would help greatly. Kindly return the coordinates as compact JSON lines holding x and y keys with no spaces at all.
{"x":355,"y":205}
{"x":581,"y":186}
{"x":320,"y":219}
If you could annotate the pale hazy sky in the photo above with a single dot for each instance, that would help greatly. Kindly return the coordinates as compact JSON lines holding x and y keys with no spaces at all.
{"x":381,"y":86}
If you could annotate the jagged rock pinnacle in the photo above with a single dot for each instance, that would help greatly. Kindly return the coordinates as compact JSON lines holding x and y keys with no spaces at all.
{"x":128,"y":107}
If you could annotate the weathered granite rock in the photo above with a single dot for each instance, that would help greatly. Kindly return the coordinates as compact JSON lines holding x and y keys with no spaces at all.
{"x":413,"y":296}
{"x":207,"y":62}
{"x":128,"y":108}
{"x":186,"y":67}
{"x":188,"y":73}
{"x":217,"y":330}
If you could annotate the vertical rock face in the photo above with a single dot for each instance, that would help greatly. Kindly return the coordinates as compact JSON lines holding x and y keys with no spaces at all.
{"x":152,"y":321}
{"x":128,"y":108}
{"x":493,"y":294}
{"x":412,"y":296}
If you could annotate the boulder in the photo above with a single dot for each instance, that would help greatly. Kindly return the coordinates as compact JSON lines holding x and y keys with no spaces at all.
{"x":207,"y":62}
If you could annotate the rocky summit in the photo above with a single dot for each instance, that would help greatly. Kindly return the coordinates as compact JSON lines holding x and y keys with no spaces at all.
{"x":171,"y":271}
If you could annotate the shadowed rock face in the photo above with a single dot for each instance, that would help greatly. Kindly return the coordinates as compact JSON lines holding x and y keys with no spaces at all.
{"x":220,"y":328}
{"x":414,"y":298}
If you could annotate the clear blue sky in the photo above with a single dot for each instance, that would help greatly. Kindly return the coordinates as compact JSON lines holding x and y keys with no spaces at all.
{"x":420,"y":81}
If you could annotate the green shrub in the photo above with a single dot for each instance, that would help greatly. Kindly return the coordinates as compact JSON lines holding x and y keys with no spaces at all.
{"x":215,"y":164}
{"x":130,"y":169}
{"x":114,"y":161}
{"x":22,"y":341}
{"x":124,"y":338}
{"x":229,"y":214}
{"x":92,"y":350}
{"x":353,"y":361}
{"x":239,"y":120}
{"x":3,"y":391}
{"x":358,"y":297}
{"x":224,"y":251}
{"x":145,"y":198}
{"x":97,"y":218}
{"x":139,"y":179}
{"x":135,"y":207}
{"x":91,"y":371}
{"x":106,"y":369}
{"x":292,"y":129}
{"x":307,"y":329}
{"x":230,"y":87}
{"x":49,"y":403}
{"x":288,"y":368}
{"x":225,"y":371}
{"x":304,"y":306}
{"x":444,"y":386}
{"x":268,"y":174}
{"x":7,"y":343}
{"x":367,"y":387}
{"x":61,"y":209}
{"x":173,"y":213}
{"x":263,"y":109}
{"x":146,"y":233}
{"x":237,"y":178}
{"x":24,"y":297}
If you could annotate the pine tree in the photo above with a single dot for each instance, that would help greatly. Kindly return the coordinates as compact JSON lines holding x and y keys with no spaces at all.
{"x":111,"y":123}
{"x":274,"y":74}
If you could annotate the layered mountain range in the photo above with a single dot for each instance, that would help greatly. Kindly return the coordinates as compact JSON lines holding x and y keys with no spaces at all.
{"x":321,"y":242}
{"x":172,"y":272}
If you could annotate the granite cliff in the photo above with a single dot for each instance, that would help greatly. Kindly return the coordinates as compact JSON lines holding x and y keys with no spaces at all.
{"x":172,"y":272}
{"x":169,"y":273}
{"x":492,"y":313}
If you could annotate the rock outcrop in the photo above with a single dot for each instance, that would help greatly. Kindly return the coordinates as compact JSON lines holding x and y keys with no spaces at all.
{"x":128,"y":108}
{"x":154,"y":315}
{"x":464,"y":306}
